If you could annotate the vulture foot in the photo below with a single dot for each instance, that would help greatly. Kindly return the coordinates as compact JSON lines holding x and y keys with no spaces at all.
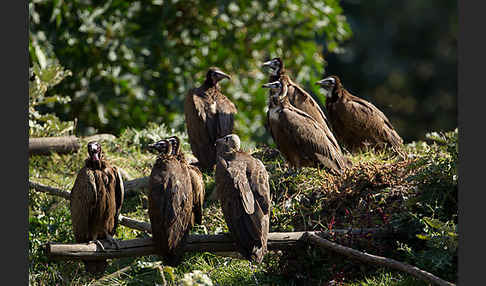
{"x":113,"y":241}
{"x":97,"y":242}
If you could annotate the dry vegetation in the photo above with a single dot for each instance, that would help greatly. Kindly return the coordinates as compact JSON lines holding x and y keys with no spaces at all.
{"x":380,"y":191}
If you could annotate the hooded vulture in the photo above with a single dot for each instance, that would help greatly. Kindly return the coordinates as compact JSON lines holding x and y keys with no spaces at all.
{"x":209,"y":115}
{"x":96,"y":201}
{"x":243,"y":189}
{"x":197,"y":181}
{"x":298,"y":97}
{"x":356,"y":122}
{"x":170,"y":203}
{"x":301,"y":139}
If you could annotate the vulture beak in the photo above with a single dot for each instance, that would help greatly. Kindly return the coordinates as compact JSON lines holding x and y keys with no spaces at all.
{"x":218,"y":140}
{"x":95,"y":157}
{"x":93,"y":151}
{"x":274,"y":84}
{"x":326,"y":82}
{"x":222,"y":75}
{"x":158,"y":146}
{"x":267,"y":64}
{"x":152,"y":146}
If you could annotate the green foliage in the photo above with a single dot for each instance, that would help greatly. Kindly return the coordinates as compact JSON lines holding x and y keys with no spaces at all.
{"x":403,"y":58}
{"x":46,"y":124}
{"x":385,"y":278}
{"x":379,"y":191}
{"x":135,"y":61}
{"x":152,"y":133}
{"x":432,"y":215}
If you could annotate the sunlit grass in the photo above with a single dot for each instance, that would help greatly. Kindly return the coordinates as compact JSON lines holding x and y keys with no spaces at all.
{"x":369,"y":194}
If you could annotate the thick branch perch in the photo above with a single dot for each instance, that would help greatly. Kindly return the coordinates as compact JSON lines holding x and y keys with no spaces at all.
{"x":136,"y":184}
{"x":61,"y":144}
{"x":374,"y":259}
{"x":135,"y":224}
{"x":195,"y":243}
{"x":218,"y":243}
{"x":49,"y":190}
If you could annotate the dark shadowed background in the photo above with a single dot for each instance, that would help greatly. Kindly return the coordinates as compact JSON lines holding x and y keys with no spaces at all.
{"x":403,"y":58}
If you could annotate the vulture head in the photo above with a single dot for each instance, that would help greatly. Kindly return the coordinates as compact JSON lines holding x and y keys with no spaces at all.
{"x":94,"y":151}
{"x":331,"y":85}
{"x":214,"y":75}
{"x":281,"y":88}
{"x":175,"y":142}
{"x":275,"y":65}
{"x":228,"y":143}
{"x":162,"y":147}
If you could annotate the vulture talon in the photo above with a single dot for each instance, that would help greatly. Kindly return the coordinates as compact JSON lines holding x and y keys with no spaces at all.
{"x":99,"y":243}
{"x":113,"y":241}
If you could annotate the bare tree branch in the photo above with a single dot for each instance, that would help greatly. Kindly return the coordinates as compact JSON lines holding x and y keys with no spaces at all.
{"x":62,"y":144}
{"x":195,"y":243}
{"x":374,"y":259}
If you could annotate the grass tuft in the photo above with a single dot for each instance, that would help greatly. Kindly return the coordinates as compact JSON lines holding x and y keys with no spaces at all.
{"x":416,"y":196}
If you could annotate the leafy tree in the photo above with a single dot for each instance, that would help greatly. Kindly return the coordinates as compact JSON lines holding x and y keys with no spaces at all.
{"x":134,"y":61}
{"x":41,"y":80}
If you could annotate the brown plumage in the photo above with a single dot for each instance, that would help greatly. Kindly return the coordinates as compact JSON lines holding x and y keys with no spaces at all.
{"x":209,"y":115}
{"x":197,"y":181}
{"x":301,"y":139}
{"x":170,"y":203}
{"x":96,"y":201}
{"x":243,"y":189}
{"x":356,"y":122}
{"x":298,"y":97}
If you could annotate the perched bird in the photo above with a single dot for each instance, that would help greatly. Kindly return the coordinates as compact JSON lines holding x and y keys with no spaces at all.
{"x":197,"y":181}
{"x":96,"y":201}
{"x":170,"y":203}
{"x":356,"y":122}
{"x":298,"y":97}
{"x":243,"y":189}
{"x":209,"y":115}
{"x":300,"y":138}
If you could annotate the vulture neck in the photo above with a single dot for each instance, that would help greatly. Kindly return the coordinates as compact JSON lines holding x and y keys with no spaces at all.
{"x":96,"y":165}
{"x":209,"y":89}
{"x":281,"y":98}
{"x":227,"y":154}
{"x":209,"y":83}
{"x":276,"y":76}
{"x":180,"y":156}
{"x":163,"y":159}
{"x":337,"y":93}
